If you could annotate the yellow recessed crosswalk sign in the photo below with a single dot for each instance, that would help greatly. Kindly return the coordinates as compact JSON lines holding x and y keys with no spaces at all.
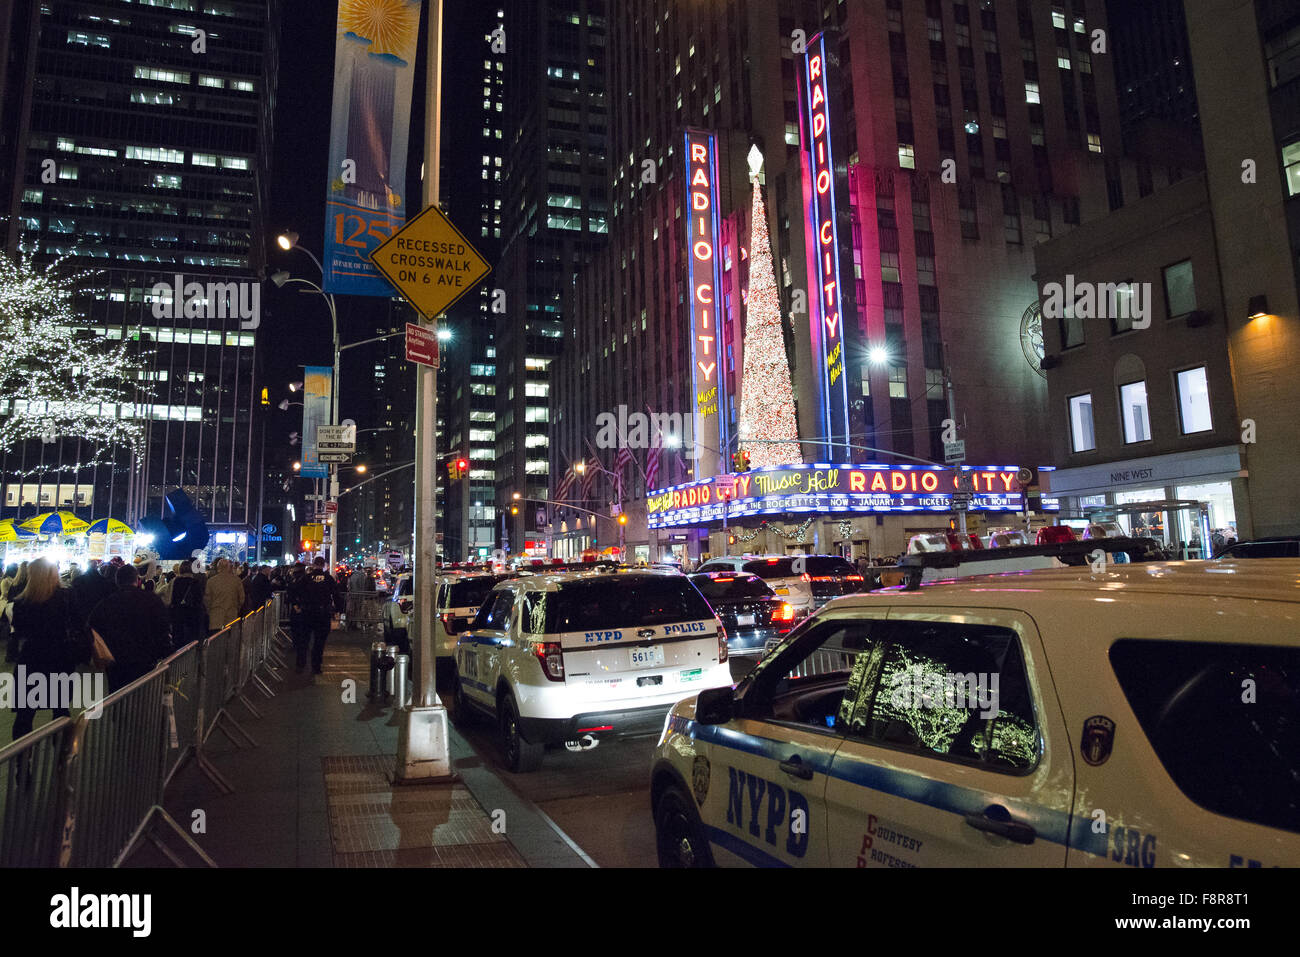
{"x":430,"y":263}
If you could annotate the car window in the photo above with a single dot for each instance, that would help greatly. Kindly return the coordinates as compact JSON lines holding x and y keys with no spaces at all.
{"x":470,"y":592}
{"x":1224,"y":720}
{"x":403,"y":588}
{"x":621,"y":602}
{"x":951,"y":691}
{"x":1264,"y":550}
{"x":533,"y":617}
{"x":809,"y":679}
{"x":729,"y":587}
{"x":495,"y":614}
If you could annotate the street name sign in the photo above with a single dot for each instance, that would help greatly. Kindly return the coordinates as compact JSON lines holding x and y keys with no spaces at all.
{"x":430,"y":262}
{"x":335,"y":458}
{"x":421,"y":345}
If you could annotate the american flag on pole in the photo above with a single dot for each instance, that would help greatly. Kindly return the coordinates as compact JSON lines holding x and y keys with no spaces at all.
{"x":622,"y":461}
{"x":589,"y":476}
{"x":655,"y":456}
{"x":566,"y":484}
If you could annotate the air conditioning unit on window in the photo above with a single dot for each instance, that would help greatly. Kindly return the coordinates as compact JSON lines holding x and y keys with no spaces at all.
{"x":1049,"y":362}
{"x":1199,"y":317}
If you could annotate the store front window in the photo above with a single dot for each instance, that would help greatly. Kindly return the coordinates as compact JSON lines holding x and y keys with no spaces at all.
{"x":1223,"y":516}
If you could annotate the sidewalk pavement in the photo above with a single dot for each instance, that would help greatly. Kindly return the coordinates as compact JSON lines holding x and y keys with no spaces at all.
{"x":318,"y":789}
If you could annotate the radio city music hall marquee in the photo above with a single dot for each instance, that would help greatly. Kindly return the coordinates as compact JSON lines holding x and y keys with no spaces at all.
{"x":704,"y":282}
{"x":836,"y":488}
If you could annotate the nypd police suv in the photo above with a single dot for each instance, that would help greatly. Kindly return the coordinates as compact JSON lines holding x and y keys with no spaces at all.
{"x":573,"y":658}
{"x":1132,"y":715}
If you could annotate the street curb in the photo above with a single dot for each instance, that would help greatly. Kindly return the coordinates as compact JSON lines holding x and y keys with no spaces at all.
{"x":532,"y":833}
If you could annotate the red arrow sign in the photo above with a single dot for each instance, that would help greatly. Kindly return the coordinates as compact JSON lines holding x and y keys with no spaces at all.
{"x":421,"y":345}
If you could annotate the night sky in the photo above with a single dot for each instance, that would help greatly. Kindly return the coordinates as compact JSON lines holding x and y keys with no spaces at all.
{"x":297,"y":331}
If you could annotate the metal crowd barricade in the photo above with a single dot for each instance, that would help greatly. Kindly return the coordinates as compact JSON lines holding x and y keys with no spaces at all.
{"x":85,"y":792}
{"x":181,"y":699}
{"x":116,"y":770}
{"x":31,"y":825}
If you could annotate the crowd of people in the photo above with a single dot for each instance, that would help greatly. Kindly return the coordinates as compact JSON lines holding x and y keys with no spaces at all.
{"x":125,"y":617}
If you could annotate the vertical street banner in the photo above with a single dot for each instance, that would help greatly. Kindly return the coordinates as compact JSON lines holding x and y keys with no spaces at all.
{"x":832,"y":307}
{"x":374,"y":65}
{"x":317,"y":398}
{"x":706,"y":300}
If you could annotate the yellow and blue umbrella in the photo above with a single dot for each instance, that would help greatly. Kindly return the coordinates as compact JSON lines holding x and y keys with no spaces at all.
{"x":55,"y":523}
{"x":109,"y":526}
{"x":9,"y":532}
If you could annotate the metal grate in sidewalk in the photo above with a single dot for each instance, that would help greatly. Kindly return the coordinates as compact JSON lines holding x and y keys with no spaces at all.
{"x":374,"y":824}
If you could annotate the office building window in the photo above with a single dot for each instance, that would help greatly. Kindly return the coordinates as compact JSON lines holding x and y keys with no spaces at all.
{"x":1133,"y":410}
{"x":1082,"y":436}
{"x":1194,"y":401}
{"x":1180,"y":293}
{"x":1291,"y":163}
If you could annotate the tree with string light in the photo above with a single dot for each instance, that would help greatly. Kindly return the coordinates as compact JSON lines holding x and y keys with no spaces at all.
{"x":768,"y":430}
{"x":58,"y":382}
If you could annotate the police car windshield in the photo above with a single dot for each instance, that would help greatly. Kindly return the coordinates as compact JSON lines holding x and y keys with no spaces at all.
{"x":726,"y":587}
{"x":622,"y":602}
{"x":815,"y":565}
{"x":470,"y":592}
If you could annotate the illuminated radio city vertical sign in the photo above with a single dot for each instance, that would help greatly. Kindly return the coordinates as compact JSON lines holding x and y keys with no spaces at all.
{"x":831,"y":303}
{"x":706,"y":299}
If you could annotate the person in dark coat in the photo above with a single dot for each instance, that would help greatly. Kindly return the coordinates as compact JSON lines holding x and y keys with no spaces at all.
{"x":189,"y":615}
{"x":258,"y":588}
{"x":135,"y":626}
{"x":90,"y":588}
{"x":313,"y":597}
{"x":48,"y":631}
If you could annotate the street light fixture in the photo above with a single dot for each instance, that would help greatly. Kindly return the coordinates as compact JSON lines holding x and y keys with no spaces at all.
{"x":287,"y":240}
{"x":297,"y":466}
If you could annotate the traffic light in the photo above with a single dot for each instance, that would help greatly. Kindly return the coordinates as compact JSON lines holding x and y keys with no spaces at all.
{"x":740,"y":462}
{"x":462,"y":466}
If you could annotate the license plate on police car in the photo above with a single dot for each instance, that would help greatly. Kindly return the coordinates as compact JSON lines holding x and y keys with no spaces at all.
{"x":647,"y":657}
{"x":744,"y":619}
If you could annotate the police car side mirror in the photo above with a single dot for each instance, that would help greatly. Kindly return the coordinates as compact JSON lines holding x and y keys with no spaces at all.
{"x":715,"y":706}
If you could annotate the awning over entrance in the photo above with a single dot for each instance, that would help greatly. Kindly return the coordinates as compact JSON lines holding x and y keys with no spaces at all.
{"x":1181,"y":468}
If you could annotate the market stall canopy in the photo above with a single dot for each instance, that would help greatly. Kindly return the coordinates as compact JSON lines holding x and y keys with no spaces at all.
{"x":55,"y":523}
{"x":109,"y":526}
{"x":9,"y":532}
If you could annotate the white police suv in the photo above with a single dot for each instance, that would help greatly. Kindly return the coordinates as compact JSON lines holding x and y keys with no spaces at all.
{"x":573,"y":658}
{"x":1140,"y":715}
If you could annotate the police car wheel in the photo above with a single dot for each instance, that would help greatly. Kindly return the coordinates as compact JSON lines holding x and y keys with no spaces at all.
{"x":680,"y":841}
{"x":521,"y":756}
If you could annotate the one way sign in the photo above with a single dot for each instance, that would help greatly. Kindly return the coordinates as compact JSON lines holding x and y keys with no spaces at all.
{"x":430,"y":263}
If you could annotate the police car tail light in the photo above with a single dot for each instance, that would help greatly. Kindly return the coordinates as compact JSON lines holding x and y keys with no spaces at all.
{"x":722,"y":644}
{"x":448,"y":623}
{"x":551,"y":658}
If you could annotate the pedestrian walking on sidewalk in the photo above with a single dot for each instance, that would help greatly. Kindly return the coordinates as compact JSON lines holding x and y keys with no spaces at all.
{"x":135,"y":626}
{"x":313,"y":597}
{"x":224,"y":596}
{"x":189,"y":616}
{"x":48,"y":633}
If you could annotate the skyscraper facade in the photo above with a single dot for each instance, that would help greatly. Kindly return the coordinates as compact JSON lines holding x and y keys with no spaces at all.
{"x":960,"y":134}
{"x":140,"y":137}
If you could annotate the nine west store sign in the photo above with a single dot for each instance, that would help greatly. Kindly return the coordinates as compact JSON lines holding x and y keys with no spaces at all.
{"x":1182,"y":468}
{"x":836,"y":488}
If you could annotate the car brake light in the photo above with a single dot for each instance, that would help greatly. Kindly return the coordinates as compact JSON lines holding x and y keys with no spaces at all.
{"x":448,"y":623}
{"x":722,"y":644}
{"x":805,"y":577}
{"x":853,"y":578}
{"x":785,"y":612}
{"x":551,"y":657}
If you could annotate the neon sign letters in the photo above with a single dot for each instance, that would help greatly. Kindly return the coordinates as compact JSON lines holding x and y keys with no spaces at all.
{"x":835,"y":488}
{"x":828,"y":313}
{"x":704,"y":282}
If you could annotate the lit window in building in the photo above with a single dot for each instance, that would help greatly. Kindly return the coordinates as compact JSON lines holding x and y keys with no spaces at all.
{"x":1133,"y":411}
{"x":162,"y":76}
{"x":1194,"y":401}
{"x":906,"y":156}
{"x":1291,"y":162}
{"x":1094,"y":143}
{"x":1031,"y":93}
{"x":898,"y":382}
{"x":1082,"y":436}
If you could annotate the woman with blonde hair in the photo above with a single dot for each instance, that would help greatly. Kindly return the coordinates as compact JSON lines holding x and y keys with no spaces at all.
{"x":49,"y":637}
